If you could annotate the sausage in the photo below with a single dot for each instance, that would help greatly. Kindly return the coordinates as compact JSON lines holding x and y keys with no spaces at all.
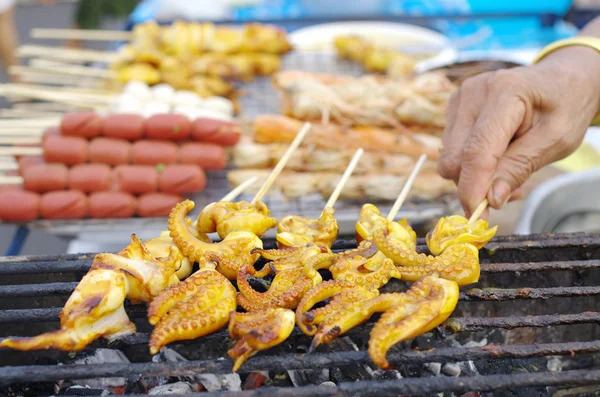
{"x":27,"y":161}
{"x":90,"y":178}
{"x":181,"y":179}
{"x":136,"y":179}
{"x":172,"y":127}
{"x":128,"y":126}
{"x":68,"y":150}
{"x":50,"y":131}
{"x":19,"y":205}
{"x":64,"y":204}
{"x":81,"y":124}
{"x":224,"y":133}
{"x":109,"y":151}
{"x":153,"y":152}
{"x":44,"y":177}
{"x":103,"y":205}
{"x":157,"y":204}
{"x":208,"y":156}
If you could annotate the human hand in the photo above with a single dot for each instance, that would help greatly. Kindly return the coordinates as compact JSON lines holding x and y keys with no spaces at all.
{"x":505,"y":125}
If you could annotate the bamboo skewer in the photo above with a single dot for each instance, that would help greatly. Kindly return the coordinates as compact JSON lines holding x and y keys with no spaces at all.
{"x":61,"y":67}
{"x":406,"y":189}
{"x":20,"y":140}
{"x":347,"y":173}
{"x":42,"y":122}
{"x":77,"y":34}
{"x":66,"y":54}
{"x":19,"y":132}
{"x":10,"y":180}
{"x":21,"y":151}
{"x":478,"y":211}
{"x":282,"y":162}
{"x":239,"y":189}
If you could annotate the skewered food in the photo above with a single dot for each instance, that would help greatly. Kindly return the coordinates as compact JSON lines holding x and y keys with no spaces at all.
{"x":65,"y":204}
{"x":367,"y":100}
{"x":156,"y":204}
{"x":297,"y":231}
{"x":282,"y":129}
{"x":95,"y":309}
{"x":258,"y":331}
{"x":70,"y":150}
{"x":174,"y":127}
{"x":181,"y":179}
{"x":87,"y":178}
{"x":109,"y":151}
{"x":130,"y":127}
{"x":221,"y":132}
{"x":19,"y":205}
{"x":45,"y":177}
{"x":82,"y":124}
{"x":226,"y":217}
{"x":104,"y":205}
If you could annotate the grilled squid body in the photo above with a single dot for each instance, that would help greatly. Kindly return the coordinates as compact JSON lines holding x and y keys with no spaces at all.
{"x":95,"y":309}
{"x":427,"y":304}
{"x":453,"y":230}
{"x":370,"y":217}
{"x":297,"y":231}
{"x":198,"y":306}
{"x":295,"y":273}
{"x":225,"y":217}
{"x":258,"y":331}
{"x":229,"y":255}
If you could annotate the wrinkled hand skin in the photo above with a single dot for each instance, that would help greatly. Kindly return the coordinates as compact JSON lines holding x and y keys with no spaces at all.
{"x":459,"y":263}
{"x":258,"y":331}
{"x":297,"y":231}
{"x":295,"y":274}
{"x":427,"y":304}
{"x":230,"y":254}
{"x":364,"y":267}
{"x":198,"y":306}
{"x":95,"y":309}
{"x":370,"y":217}
{"x":453,"y":230}
{"x":225,"y":217}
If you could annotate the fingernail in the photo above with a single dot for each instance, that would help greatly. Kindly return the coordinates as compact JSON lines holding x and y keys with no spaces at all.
{"x":500,"y":193}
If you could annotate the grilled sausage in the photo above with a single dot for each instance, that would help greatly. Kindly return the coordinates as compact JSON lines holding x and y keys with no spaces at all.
{"x":81,"y":124}
{"x":27,"y":161}
{"x":128,"y":126}
{"x":224,"y":133}
{"x":64,"y":204}
{"x":181,"y":179}
{"x":109,"y":151}
{"x":50,"y":131}
{"x":172,"y":127}
{"x":103,"y":205}
{"x":44,"y":177}
{"x":19,"y":205}
{"x":157,"y":204}
{"x":208,"y":156}
{"x":153,"y":152}
{"x":90,"y":178}
{"x":136,"y":179}
{"x":69,"y":150}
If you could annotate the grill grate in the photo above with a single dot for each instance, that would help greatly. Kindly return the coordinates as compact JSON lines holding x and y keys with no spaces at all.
{"x":577,"y":255}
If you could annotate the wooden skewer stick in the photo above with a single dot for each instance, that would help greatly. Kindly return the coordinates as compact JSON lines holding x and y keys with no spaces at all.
{"x":76,"y":34}
{"x":10,"y":180}
{"x":61,"y":67}
{"x":239,"y":189}
{"x":282,"y":162}
{"x":20,"y":140}
{"x":347,"y":173}
{"x":21,"y":151}
{"x":66,"y":54}
{"x":42,"y":122}
{"x":406,"y":189}
{"x":8,"y":165}
{"x":478,"y":211}
{"x":15,"y":131}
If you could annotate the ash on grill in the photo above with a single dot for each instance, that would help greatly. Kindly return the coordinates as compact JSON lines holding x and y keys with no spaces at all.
{"x":528,"y":328}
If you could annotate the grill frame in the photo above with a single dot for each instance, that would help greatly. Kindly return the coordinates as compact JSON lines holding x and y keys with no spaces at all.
{"x":570,"y":252}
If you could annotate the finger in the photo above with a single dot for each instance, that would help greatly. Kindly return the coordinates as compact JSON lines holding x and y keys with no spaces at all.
{"x":524,"y":156}
{"x":500,"y":117}
{"x":516,"y":195}
{"x":462,"y":113}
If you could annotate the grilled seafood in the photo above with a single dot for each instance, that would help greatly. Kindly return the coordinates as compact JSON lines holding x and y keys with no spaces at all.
{"x":230,"y":254}
{"x":427,"y":304}
{"x":458,"y":260}
{"x":226,"y":217}
{"x":282,"y":129}
{"x":192,"y":308}
{"x":95,"y":309}
{"x":452,"y":230}
{"x":370,"y":216}
{"x":298,"y":231}
{"x":367,"y":100}
{"x":295,"y":273}
{"x":258,"y":331}
{"x":371,"y":187}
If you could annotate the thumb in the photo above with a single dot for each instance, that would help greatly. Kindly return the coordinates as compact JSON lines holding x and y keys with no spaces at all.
{"x":523,"y":157}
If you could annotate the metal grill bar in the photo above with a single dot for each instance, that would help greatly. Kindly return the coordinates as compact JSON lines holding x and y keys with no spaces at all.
{"x":539,"y":266}
{"x":470,"y":324}
{"x":51,"y":314}
{"x":44,"y":373}
{"x":474,"y":294}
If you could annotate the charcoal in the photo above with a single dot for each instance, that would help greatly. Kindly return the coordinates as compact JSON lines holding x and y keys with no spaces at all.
{"x":220,"y":382}
{"x":306,"y":377}
{"x":328,"y":384}
{"x":172,"y":388}
{"x":102,"y":356}
{"x":451,"y":369}
{"x":434,"y":368}
{"x":78,"y":390}
{"x":255,"y":380}
{"x":350,"y":373}
{"x":391,"y":374}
